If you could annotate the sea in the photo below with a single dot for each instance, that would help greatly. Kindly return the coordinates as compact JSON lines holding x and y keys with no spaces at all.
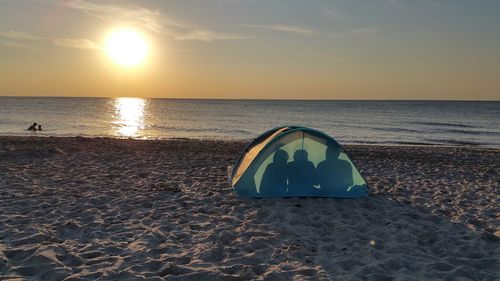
{"x":451,"y":123}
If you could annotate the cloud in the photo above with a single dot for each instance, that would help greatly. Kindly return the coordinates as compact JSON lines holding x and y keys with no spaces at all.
{"x":208,"y":36}
{"x":285,"y":28}
{"x":16,"y":37}
{"x":359,"y":31}
{"x":78,"y":43}
{"x":151,"y":20}
{"x":331,"y":13}
{"x":14,"y":44}
{"x":19,"y":35}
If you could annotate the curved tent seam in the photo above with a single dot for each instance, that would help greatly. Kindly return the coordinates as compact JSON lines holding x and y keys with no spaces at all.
{"x":271,"y":132}
{"x":252,"y":144}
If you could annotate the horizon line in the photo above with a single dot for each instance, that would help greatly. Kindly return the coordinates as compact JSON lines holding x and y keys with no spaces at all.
{"x":251,"y":99}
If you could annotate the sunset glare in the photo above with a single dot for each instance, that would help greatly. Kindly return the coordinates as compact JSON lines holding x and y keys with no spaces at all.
{"x":126,"y":47}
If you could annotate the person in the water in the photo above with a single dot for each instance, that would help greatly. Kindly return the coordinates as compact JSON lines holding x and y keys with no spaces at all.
{"x":32,"y":127}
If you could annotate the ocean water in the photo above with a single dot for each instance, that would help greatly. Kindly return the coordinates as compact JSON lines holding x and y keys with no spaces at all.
{"x":350,"y":122}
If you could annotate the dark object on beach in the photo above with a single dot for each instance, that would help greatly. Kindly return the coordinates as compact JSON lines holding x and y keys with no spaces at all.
{"x":165,"y":187}
{"x":39,"y":127}
{"x":32,"y":127}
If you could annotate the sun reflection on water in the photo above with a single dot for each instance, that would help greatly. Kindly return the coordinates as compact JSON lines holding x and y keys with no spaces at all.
{"x":129,"y":116}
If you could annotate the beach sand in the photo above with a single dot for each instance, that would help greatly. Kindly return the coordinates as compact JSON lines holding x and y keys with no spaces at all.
{"x":86,"y":209}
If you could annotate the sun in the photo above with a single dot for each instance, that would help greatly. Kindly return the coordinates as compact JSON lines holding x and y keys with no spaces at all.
{"x":126,"y":47}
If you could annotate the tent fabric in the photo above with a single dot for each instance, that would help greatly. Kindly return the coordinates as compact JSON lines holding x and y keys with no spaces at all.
{"x":296,"y":162}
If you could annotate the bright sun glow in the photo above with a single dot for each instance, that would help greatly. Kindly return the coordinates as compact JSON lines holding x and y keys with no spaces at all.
{"x":126,"y":47}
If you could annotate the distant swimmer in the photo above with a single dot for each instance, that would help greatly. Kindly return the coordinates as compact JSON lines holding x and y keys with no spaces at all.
{"x":39,"y":128}
{"x":32,"y":127}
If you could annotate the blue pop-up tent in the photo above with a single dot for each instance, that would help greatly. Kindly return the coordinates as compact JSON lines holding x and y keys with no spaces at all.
{"x":296,"y":162}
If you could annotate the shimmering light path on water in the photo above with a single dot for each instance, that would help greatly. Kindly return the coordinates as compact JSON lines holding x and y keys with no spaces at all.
{"x":129,"y":116}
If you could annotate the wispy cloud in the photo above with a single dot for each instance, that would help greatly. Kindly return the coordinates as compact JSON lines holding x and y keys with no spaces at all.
{"x":285,"y":28}
{"x":19,"y":35}
{"x":208,"y":36}
{"x":331,"y":13}
{"x":78,"y":43}
{"x":356,"y":31}
{"x":14,"y":44}
{"x":148,"y":19}
{"x":19,"y":39}
{"x":151,"y":20}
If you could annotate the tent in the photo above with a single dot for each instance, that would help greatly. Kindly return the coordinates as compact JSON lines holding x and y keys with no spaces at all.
{"x":296,"y":162}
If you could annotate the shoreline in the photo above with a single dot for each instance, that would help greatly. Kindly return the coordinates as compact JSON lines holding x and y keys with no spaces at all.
{"x":77,"y":208}
{"x":248,"y":140}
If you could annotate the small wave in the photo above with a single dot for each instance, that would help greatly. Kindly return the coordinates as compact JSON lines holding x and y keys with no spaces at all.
{"x":398,"y":130}
{"x":155,"y":126}
{"x":361,"y":142}
{"x":444,"y":124}
{"x":475,"y":132}
{"x":388,"y":142}
{"x":456,"y":142}
{"x":240,"y":132}
{"x":411,"y":143}
{"x":202,"y":130}
{"x":384,"y":129}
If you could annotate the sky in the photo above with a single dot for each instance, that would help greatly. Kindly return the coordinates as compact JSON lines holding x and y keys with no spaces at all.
{"x":255,"y":49}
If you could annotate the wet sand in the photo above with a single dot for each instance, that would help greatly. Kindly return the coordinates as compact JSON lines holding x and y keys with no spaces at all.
{"x":86,"y":209}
